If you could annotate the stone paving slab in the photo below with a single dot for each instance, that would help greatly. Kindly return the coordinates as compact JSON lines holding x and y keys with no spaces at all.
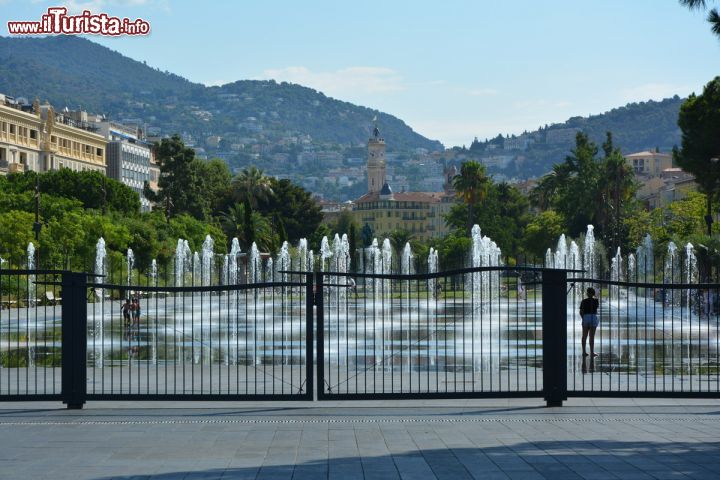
{"x":459,"y":439}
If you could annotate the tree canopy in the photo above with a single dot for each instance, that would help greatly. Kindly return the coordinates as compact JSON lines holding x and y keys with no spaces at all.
{"x":699,"y":121}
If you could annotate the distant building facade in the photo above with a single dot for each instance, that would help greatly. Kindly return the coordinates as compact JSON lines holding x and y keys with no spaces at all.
{"x":649,"y":164}
{"x":129,"y":163}
{"x":36,"y":138}
{"x":671,"y":185}
{"x":420,"y":213}
{"x":128,"y":156}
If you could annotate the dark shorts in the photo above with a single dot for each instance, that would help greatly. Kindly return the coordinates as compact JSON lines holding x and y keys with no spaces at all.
{"x":590,"y":320}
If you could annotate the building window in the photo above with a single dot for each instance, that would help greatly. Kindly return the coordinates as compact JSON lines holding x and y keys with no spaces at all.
{"x":99,"y":152}
{"x":12,"y":129}
{"x":33,"y":134}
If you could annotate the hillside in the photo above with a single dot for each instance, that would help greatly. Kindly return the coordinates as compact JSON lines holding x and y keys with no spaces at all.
{"x":635,"y":127}
{"x":74,"y":72}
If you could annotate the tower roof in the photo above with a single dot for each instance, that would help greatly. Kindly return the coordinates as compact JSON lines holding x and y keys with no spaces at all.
{"x":386,"y":190}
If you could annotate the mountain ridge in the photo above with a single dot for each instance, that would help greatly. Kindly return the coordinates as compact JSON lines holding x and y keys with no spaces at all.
{"x":75,"y":72}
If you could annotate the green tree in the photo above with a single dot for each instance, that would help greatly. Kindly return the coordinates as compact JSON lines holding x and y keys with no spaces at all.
{"x":453,"y":250}
{"x":233,"y":222}
{"x":472,"y":185}
{"x":250,"y":187}
{"x":292,"y":209}
{"x":195,"y":231}
{"x":323,"y":230}
{"x":180,"y":187}
{"x":398,"y":239}
{"x":62,"y":238}
{"x":618,"y":196}
{"x":713,"y":16}
{"x":216,"y":178}
{"x":585,"y":189}
{"x":15,"y":234}
{"x":93,"y":189}
{"x":699,"y":121}
{"x":542,"y":231}
{"x":502,"y":215}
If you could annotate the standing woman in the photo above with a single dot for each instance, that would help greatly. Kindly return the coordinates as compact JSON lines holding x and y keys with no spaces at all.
{"x":590,"y":321}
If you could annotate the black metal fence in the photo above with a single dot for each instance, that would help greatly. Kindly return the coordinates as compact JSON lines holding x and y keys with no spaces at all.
{"x":30,"y":335}
{"x":654,"y":339}
{"x":480,"y":332}
{"x":474,"y":332}
{"x":108,"y":341}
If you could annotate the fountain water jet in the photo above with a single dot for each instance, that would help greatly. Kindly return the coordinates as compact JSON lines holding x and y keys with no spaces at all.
{"x":208,"y":247}
{"x":130,"y":265}
{"x":432,"y":268}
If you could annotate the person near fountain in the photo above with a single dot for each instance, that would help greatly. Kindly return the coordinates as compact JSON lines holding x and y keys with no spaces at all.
{"x":136,"y":312}
{"x":126,"y":312}
{"x":521,"y":295}
{"x":590,"y":321}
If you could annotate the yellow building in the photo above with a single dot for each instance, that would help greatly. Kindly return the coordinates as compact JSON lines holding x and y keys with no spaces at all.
{"x":39,"y":139}
{"x":672,"y":185}
{"x":649,"y":164}
{"x":420,"y":213}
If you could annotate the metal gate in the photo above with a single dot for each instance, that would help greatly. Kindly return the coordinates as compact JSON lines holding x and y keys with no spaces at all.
{"x":233,"y":342}
{"x":481,"y":332}
{"x":470,"y":333}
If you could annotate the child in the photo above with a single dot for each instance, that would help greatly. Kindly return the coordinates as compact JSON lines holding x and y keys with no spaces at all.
{"x":136,"y":312}
{"x":126,"y":309}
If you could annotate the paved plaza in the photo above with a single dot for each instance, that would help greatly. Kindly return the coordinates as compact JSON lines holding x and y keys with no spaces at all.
{"x":467,"y":439}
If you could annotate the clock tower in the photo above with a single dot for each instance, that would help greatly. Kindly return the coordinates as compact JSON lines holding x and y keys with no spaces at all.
{"x":376,"y":161}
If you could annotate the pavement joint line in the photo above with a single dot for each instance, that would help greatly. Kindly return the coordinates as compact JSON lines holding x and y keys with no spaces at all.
{"x":369,"y":421}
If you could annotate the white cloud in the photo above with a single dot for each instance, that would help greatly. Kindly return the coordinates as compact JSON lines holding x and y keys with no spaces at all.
{"x":654,"y":91}
{"x":346,"y":82}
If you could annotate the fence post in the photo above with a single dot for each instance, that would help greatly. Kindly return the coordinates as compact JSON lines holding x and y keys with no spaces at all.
{"x":309,"y":340}
{"x":74,"y":339}
{"x":320,"y":336}
{"x":554,"y":332}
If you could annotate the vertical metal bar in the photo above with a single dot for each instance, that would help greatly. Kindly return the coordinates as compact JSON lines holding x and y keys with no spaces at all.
{"x":554,"y":327}
{"x":74,"y":344}
{"x":309,"y":348}
{"x":320,"y":342}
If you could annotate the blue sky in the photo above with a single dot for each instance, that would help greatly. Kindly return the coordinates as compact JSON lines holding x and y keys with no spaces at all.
{"x":452,"y":70}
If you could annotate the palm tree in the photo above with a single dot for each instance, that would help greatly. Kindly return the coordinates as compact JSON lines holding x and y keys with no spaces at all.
{"x":235,"y":223}
{"x":472,"y":187}
{"x":713,"y":16}
{"x":398,"y":239}
{"x":250,"y":187}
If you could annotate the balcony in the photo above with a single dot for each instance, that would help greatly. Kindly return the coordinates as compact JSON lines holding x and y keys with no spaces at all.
{"x":16,"y":168}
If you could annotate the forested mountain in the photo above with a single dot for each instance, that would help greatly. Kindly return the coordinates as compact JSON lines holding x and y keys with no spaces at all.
{"x":251,"y":121}
{"x":75,"y":72}
{"x":635,"y":127}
